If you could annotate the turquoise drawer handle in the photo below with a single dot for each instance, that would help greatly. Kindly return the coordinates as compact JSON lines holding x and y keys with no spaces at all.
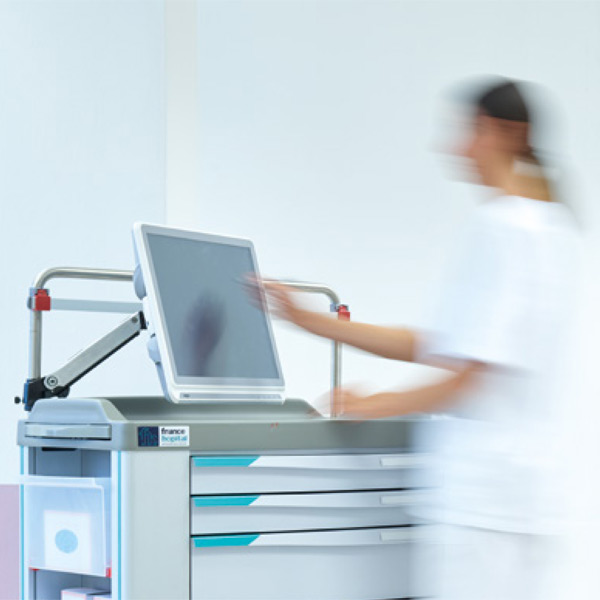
{"x":217,"y":541}
{"x":224,"y":500}
{"x":224,"y":461}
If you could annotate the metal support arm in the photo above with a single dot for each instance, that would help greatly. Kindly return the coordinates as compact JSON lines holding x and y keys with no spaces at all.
{"x":37,"y":386}
{"x":59,"y":383}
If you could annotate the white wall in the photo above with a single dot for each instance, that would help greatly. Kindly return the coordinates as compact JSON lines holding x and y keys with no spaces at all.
{"x":82,"y":156}
{"x":316,"y":125}
{"x":317,"y":122}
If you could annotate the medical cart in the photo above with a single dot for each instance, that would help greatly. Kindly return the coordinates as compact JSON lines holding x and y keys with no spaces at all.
{"x":159,"y":501}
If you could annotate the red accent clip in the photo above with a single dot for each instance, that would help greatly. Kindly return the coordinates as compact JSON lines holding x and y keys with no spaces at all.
{"x":343,"y":312}
{"x":109,"y":572}
{"x":41,"y":300}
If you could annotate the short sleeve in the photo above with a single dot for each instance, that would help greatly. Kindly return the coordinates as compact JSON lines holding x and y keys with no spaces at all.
{"x":484,"y":305}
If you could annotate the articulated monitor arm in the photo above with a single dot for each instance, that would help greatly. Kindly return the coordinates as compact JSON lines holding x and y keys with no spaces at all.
{"x":39,"y":301}
{"x":60,"y":382}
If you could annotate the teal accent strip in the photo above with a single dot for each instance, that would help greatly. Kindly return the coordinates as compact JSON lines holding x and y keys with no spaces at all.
{"x":224,"y":500}
{"x":22,"y":525}
{"x":119,"y":571}
{"x":224,"y":461}
{"x":219,"y":541}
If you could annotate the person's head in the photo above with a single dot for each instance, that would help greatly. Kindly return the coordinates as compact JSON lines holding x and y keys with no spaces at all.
{"x":498,"y":143}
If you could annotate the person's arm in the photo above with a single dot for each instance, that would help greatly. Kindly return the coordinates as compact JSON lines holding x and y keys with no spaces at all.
{"x":388,"y":342}
{"x":428,"y":398}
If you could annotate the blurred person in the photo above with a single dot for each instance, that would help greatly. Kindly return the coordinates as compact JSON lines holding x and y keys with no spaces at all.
{"x":500,"y":332}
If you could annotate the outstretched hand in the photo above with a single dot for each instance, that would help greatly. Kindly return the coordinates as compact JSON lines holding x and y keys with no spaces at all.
{"x":281,"y":301}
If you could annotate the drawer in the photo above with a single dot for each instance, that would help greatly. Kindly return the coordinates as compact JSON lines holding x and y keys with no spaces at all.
{"x":311,"y":473}
{"x":292,"y":512}
{"x":373,"y":564}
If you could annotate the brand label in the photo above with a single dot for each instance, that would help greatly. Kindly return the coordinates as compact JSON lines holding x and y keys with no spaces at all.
{"x":174,"y":436}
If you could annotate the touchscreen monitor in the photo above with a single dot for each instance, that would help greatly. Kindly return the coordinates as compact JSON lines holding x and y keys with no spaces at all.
{"x":214,"y":341}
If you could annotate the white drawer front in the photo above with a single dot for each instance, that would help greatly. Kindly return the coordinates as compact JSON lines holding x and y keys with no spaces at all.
{"x":264,"y":474}
{"x":292,"y":512}
{"x":340,"y":565}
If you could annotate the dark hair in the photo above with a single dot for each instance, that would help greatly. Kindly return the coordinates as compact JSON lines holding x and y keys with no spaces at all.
{"x":505,"y":100}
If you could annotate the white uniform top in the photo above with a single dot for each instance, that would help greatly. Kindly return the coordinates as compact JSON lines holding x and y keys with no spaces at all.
{"x":506,"y":303}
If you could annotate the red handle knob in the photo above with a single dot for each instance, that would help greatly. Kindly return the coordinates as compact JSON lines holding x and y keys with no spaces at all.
{"x":41,"y":300}
{"x":343,"y":312}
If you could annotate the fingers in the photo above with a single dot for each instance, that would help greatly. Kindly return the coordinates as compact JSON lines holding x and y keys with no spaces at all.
{"x":277,"y":298}
{"x":273,"y":285}
{"x":351,"y":404}
{"x":343,"y":403}
{"x":279,"y":293}
{"x":340,"y":402}
{"x":323,"y":403}
{"x":252,"y":286}
{"x":280,"y":300}
{"x":329,"y":402}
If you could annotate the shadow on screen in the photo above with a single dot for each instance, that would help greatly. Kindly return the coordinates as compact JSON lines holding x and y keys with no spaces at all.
{"x":205,"y":325}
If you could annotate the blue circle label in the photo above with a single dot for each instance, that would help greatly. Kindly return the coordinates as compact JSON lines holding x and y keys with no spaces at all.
{"x":66,"y":541}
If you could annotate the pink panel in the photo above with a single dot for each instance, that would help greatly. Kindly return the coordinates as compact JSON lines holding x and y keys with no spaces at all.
{"x":9,"y":542}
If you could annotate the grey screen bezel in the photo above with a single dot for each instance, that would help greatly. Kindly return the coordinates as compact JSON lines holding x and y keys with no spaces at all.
{"x":142,"y":231}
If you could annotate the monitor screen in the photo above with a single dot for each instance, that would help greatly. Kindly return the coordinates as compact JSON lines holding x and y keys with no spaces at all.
{"x":214,"y":328}
{"x":213,"y":331}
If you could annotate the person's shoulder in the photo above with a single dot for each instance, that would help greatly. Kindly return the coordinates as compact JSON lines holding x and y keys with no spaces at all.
{"x":492,"y":216}
{"x":525,"y":214}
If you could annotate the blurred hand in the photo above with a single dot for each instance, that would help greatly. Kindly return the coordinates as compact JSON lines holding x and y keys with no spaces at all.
{"x":347,"y":402}
{"x":281,"y":301}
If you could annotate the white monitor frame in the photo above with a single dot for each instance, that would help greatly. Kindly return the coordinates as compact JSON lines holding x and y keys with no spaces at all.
{"x":198,"y":389}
